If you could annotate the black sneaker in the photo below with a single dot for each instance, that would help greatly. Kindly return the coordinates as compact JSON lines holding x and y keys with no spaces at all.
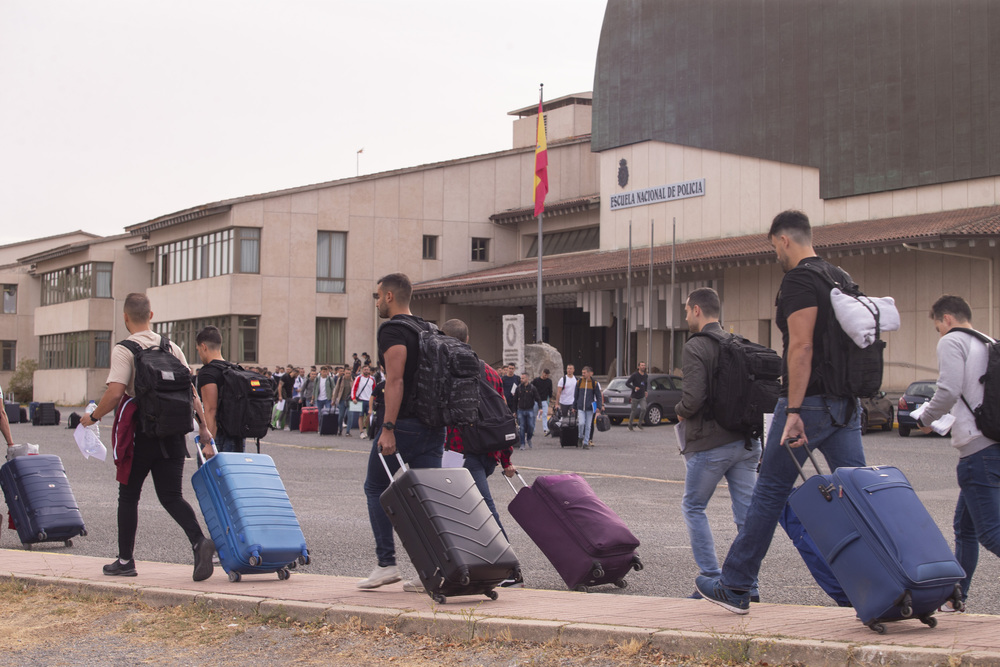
{"x":712,"y":590}
{"x":204,"y":549}
{"x":116,"y":569}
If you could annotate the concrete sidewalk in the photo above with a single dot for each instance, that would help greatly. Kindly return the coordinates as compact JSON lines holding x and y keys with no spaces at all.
{"x":771,"y":633}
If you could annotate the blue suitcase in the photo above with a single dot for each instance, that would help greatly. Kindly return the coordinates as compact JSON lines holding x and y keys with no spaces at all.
{"x":40,"y":499}
{"x":249,"y":515}
{"x":881,"y":543}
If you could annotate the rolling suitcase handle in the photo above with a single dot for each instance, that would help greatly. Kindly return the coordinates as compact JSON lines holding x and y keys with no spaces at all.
{"x":402,"y":466}
{"x":197,"y":446}
{"x":514,"y":488}
{"x":825,"y":489}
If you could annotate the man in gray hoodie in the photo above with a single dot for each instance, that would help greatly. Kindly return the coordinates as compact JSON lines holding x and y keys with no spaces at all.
{"x":962,"y":361}
{"x":711,"y":452}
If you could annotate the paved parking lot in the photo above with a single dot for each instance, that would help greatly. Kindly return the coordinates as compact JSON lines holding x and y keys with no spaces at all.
{"x":640,"y":475}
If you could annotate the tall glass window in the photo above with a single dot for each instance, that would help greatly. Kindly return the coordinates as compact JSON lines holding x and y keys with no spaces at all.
{"x":480,"y":250}
{"x":330,"y":340}
{"x":84,"y":281}
{"x":239,"y":348}
{"x":331,"y":261}
{"x":9,"y":299}
{"x":8,"y":355}
{"x":77,"y":349}
{"x":217,"y":254}
{"x":248,"y":339}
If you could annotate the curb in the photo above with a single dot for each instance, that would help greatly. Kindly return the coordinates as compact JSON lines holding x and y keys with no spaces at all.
{"x":727,"y":647}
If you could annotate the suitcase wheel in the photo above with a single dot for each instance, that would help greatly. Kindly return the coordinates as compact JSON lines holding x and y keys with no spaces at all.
{"x":621,"y":583}
{"x":492,"y":595}
{"x":42,"y":536}
{"x":637,"y":563}
{"x":597,"y":572}
{"x":292,"y":565}
{"x":440,"y":599}
{"x":254,"y":560}
{"x":68,"y":543}
{"x":304,"y":560}
{"x":877,"y":627}
{"x":465,"y":581}
{"x":234,"y":576}
{"x":581,"y":589}
{"x":83,"y":532}
{"x":284,"y":573}
{"x":929,"y":621}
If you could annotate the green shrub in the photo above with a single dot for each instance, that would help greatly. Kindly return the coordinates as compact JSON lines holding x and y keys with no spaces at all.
{"x":22,"y":382}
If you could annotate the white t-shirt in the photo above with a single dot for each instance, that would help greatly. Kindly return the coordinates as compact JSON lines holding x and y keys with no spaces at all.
{"x":568,"y":395}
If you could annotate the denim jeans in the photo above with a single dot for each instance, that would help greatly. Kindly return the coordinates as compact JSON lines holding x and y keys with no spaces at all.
{"x":323,"y":405}
{"x":704,"y":472}
{"x":542,"y":407}
{"x":977,"y":514}
{"x":526,"y":425}
{"x":840,"y":445}
{"x":584,"y":422}
{"x":225,"y":443}
{"x":482,"y":466}
{"x":420,"y":447}
{"x":342,"y":416}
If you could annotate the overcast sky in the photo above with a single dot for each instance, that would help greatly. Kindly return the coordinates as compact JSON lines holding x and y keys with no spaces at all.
{"x":117,"y":112}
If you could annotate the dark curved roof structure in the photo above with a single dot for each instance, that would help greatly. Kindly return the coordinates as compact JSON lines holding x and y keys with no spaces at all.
{"x":877,"y":94}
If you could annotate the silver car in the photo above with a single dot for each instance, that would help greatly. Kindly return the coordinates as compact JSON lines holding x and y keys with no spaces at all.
{"x":664,"y":394}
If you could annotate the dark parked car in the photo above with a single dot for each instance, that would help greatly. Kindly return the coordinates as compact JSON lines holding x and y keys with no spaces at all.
{"x":916,"y":394}
{"x":664,"y":394}
{"x":876,"y":411}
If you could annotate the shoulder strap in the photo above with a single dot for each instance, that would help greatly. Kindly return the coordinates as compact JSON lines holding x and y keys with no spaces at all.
{"x":718,"y":336}
{"x":977,"y":334}
{"x":131,"y":346}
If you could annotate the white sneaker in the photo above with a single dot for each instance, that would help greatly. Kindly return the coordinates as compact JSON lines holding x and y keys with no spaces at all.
{"x":413,"y":586}
{"x":380,"y":576}
{"x":363,"y":436}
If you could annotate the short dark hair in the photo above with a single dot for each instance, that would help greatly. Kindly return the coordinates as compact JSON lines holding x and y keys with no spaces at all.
{"x":792,"y":223}
{"x":707,"y":299}
{"x":545,"y":370}
{"x":588,"y":368}
{"x":210,"y":336}
{"x":456,"y":329}
{"x":952,"y":305}
{"x":400,"y":286}
{"x":137,"y":307}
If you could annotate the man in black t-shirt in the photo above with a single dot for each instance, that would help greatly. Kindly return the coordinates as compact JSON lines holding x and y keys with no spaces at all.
{"x":286,"y":387}
{"x":638,"y":382}
{"x":510,"y":382}
{"x":805,"y":413}
{"x":210,"y":387}
{"x":543,"y":384}
{"x":401,"y":430}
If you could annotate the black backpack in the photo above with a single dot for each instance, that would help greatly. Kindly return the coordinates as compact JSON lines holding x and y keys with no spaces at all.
{"x":746,"y":384}
{"x":246,"y":400}
{"x":448,"y":373}
{"x":162,"y":389}
{"x":496,"y":428}
{"x":988,"y":413}
{"x":848,"y":371}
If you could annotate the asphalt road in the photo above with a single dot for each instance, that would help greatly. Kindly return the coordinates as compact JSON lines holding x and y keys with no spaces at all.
{"x":640,"y":475}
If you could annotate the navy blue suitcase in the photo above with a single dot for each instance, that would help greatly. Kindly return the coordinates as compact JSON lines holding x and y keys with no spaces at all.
{"x":249,"y":515}
{"x":881,"y":543}
{"x":40,"y":499}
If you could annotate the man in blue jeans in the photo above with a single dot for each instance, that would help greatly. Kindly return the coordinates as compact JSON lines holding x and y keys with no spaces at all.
{"x":808,"y":412}
{"x":526,"y":398}
{"x":401,"y":430}
{"x":711,"y":452}
{"x":962,"y":360}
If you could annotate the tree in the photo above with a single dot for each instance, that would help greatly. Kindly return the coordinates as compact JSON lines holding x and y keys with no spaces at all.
{"x":23,"y":380}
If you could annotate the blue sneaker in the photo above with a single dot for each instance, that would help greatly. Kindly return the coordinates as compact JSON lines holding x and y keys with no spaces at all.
{"x":712,"y":590}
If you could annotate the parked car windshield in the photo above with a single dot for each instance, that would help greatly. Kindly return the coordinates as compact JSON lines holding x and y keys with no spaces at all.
{"x":925,"y":389}
{"x":618,"y":384}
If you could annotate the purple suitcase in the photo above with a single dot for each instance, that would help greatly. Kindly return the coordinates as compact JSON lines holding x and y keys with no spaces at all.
{"x":582,"y":537}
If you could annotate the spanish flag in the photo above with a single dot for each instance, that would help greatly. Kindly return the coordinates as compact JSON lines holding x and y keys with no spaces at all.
{"x":541,"y":163}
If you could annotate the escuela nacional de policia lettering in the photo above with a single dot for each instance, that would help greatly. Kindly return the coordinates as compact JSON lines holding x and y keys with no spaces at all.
{"x":680,"y":139}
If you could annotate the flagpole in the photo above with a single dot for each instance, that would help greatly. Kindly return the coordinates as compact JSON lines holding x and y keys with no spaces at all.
{"x":540,"y":317}
{"x":628,"y":304}
{"x":649,"y":304}
{"x":673,"y":268}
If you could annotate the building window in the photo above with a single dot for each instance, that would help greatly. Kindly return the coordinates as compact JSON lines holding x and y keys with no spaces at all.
{"x":572,"y":240}
{"x":8,"y":355}
{"x":239,"y":348}
{"x":77,"y":349}
{"x":85,"y":281}
{"x":248,"y":339}
{"x":430,"y":247}
{"x":331,"y":260}
{"x":480,"y":250}
{"x":329,"y":340}
{"x":208,"y":256}
{"x":9,"y":299}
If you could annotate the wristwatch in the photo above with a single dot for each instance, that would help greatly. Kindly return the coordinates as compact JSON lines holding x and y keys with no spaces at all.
{"x":793,"y":411}
{"x":389,"y":426}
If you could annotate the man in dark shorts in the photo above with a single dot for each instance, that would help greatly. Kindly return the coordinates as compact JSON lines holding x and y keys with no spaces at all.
{"x":401,"y":430}
{"x":806,"y":412}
